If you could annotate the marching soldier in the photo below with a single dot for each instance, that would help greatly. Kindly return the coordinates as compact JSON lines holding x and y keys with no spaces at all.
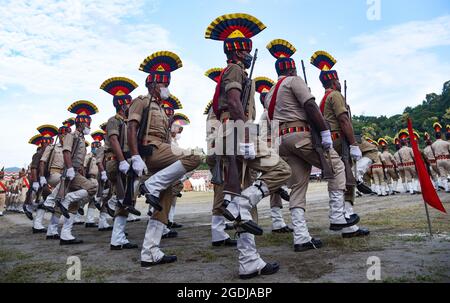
{"x":233,"y":103}
{"x":336,"y":112}
{"x":3,"y":190}
{"x":431,"y":162}
{"x":47,"y":133}
{"x":218,"y":226}
{"x":401,"y":170}
{"x":165,"y":163}
{"x":378,"y":173}
{"x":51,"y":167}
{"x":74,"y":153}
{"x":117,"y":155}
{"x":441,"y":151}
{"x":406,"y":157}
{"x":389,"y":166}
{"x":24,"y":185}
{"x":447,"y":133}
{"x":263,"y":86}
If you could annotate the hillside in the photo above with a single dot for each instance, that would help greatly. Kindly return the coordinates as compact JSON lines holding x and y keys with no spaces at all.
{"x":433,"y":108}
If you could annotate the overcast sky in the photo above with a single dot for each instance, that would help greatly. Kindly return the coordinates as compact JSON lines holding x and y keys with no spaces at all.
{"x":53,"y":53}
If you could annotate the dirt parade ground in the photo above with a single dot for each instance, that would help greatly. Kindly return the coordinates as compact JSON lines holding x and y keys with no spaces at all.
{"x":398,"y":239}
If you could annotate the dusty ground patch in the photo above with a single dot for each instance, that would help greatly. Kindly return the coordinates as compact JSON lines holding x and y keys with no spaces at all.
{"x":398,"y":239}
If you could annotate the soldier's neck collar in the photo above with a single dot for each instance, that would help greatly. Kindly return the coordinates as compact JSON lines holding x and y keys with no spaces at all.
{"x":231,"y":61}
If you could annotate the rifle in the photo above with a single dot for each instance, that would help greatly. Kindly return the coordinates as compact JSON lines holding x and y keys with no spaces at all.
{"x":128,"y":193}
{"x":64,"y":184}
{"x":349,"y":177}
{"x":232,"y":184}
{"x":131,"y":185}
{"x":99,"y":194}
{"x":327,"y":167}
{"x":217,"y":176}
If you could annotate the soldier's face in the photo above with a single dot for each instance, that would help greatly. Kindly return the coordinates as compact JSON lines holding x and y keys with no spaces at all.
{"x":337,"y":85}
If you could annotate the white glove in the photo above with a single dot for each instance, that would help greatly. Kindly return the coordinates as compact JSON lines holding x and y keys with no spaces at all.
{"x":327,"y":142}
{"x":138,"y":165}
{"x":42,"y":181}
{"x":247,"y":150}
{"x":124,"y":167}
{"x":355,"y":152}
{"x":35,"y":186}
{"x":70,"y":173}
{"x":103,"y":176}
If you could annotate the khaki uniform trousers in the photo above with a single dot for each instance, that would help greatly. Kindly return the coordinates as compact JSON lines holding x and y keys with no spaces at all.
{"x":217,"y":209}
{"x":391,"y":175}
{"x":443,"y":167}
{"x":2,"y":201}
{"x":164,"y":155}
{"x":378,"y":175}
{"x":298,"y":149}
{"x":350,"y":191}
{"x":410,"y":173}
{"x":78,"y":183}
{"x":112,"y":170}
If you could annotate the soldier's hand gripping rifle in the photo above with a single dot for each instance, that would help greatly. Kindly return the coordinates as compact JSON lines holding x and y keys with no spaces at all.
{"x":132,"y":182}
{"x":327,"y":168}
{"x":64,"y":184}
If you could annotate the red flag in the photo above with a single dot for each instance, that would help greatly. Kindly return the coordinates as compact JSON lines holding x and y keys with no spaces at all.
{"x":428,"y":192}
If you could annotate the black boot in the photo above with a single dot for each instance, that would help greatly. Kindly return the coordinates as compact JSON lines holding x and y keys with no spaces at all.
{"x":226,"y":242}
{"x":354,"y":219}
{"x":284,"y":230}
{"x":165,"y":259}
{"x":39,"y":231}
{"x":361,"y":232}
{"x":269,"y":269}
{"x":313,"y":244}
{"x":150,"y":199}
{"x":70,"y":242}
{"x":170,"y":234}
{"x":124,"y":246}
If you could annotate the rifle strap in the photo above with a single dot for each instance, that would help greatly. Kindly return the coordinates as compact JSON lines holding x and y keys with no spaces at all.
{"x":273,"y":100}
{"x":215,"y":104}
{"x":323,"y":102}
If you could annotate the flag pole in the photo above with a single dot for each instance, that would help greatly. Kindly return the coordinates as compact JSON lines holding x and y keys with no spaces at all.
{"x":428,"y":219}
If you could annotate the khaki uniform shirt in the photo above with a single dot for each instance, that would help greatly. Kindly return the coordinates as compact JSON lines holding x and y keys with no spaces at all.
{"x":235,"y":77}
{"x":116,"y":126}
{"x":157,"y":128}
{"x":428,"y":152}
{"x":388,"y":158}
{"x":55,"y":159}
{"x":90,"y":165}
{"x":335,"y":106}
{"x":292,"y":96}
{"x":36,"y":158}
{"x":406,"y":154}
{"x":441,"y":148}
{"x":100,"y":155}
{"x":80,"y":153}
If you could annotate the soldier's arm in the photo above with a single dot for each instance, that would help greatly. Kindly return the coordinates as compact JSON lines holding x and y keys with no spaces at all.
{"x":132,"y":129}
{"x":34,"y":175}
{"x":347,"y":128}
{"x":235,"y":105}
{"x":67,"y":159}
{"x":315,"y":116}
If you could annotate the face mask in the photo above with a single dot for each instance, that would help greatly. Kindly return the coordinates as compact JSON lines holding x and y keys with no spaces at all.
{"x":86,"y":131}
{"x":247,"y":60}
{"x":164,"y":93}
{"x":94,"y":150}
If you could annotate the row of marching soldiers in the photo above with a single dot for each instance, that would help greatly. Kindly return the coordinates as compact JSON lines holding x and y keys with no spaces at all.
{"x":13,"y":191}
{"x":388,"y":169}
{"x":139,"y":157}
